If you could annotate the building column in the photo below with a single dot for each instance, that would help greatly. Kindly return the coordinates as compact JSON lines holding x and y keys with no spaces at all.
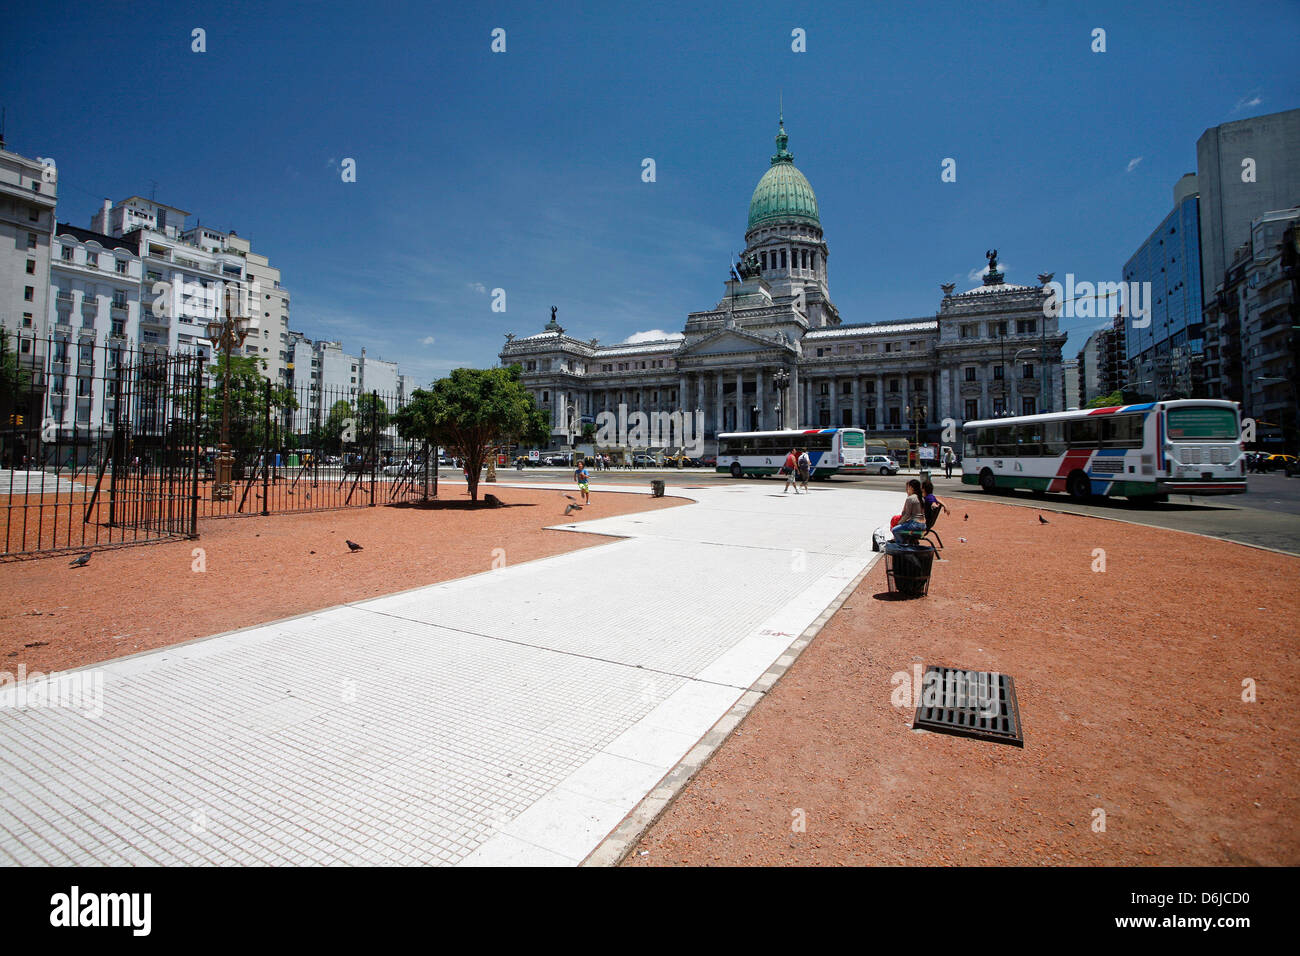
{"x":835,"y":401}
{"x":737,"y":421}
{"x":986,"y":403}
{"x":699,"y":391}
{"x":857,"y":402}
{"x":792,"y":397}
{"x":681,"y":393}
{"x":760,"y":399}
{"x":882,"y":416}
{"x":717,"y":402}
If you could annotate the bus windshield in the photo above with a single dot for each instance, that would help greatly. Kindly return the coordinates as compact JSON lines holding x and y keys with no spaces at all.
{"x":1202,"y":424}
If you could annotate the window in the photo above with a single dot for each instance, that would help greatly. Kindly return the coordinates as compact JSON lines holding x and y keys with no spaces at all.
{"x":999,"y":406}
{"x":918,"y":385}
{"x":970,"y":373}
{"x":66,"y":253}
{"x":1053,"y":438}
{"x":546,"y":396}
{"x":31,"y":267}
{"x":825,"y":389}
{"x":29,"y":293}
{"x":34,"y":214}
{"x":889,"y":346}
{"x":763,"y":260}
{"x":121,"y":266}
{"x":26,"y":346}
{"x":782,"y":258}
{"x":893,"y":385}
{"x":893,"y":416}
{"x":998,"y":373}
{"x":1121,"y":431}
{"x":805,"y":258}
{"x":1027,"y":370}
{"x":27,"y":320}
{"x":1027,"y":407}
{"x":967,"y":331}
{"x":1026,"y":325}
{"x":119,"y":299}
{"x":847,"y":388}
{"x":869,"y":386}
{"x":31,"y":240}
{"x":1083,"y":432}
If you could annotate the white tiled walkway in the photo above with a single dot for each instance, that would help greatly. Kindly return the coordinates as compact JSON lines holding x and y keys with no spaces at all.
{"x":513,"y":716}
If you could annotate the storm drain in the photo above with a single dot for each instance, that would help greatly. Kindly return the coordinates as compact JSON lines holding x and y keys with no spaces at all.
{"x":979,"y":704}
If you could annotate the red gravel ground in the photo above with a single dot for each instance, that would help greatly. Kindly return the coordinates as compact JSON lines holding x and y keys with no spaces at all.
{"x":1130,"y":692}
{"x":126,"y":600}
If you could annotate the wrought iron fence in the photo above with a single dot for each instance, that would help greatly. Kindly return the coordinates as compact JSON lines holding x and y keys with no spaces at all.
{"x":102,"y":444}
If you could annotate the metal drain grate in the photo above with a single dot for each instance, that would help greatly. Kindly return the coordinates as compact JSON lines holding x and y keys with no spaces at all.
{"x":979,"y":704}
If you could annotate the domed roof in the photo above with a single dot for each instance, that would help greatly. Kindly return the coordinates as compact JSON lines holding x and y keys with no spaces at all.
{"x":783,"y":194}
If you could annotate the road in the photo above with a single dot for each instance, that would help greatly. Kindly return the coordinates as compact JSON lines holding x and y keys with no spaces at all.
{"x":1268,"y":515}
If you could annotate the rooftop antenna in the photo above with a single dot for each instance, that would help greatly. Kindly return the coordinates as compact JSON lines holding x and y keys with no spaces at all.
{"x":153,"y":190}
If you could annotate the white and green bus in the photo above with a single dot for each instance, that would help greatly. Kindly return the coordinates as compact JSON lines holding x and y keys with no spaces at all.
{"x":1148,"y":451}
{"x":763,"y":453}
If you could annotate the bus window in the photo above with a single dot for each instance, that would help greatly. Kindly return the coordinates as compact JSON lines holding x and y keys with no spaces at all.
{"x":1028,"y":441}
{"x":1122,"y":431}
{"x":1083,"y":433}
{"x":1053,"y":438}
{"x":1004,"y":441}
{"x":1201,"y":424}
{"x":972,"y":449}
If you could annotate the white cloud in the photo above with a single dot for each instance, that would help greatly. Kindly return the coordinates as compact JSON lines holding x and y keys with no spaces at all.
{"x":427,"y":340}
{"x":1247,"y":101}
{"x":652,"y":335}
{"x":1133,"y":163}
{"x":977,"y":275}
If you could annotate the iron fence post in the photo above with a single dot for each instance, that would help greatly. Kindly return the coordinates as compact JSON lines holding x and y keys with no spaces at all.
{"x":374,"y":443}
{"x":196,"y":420}
{"x":266,"y":446}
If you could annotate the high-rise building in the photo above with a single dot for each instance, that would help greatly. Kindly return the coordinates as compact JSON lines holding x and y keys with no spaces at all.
{"x":1168,"y":347}
{"x":1243,"y":170}
{"x":1070,"y":384}
{"x":28,"y":194}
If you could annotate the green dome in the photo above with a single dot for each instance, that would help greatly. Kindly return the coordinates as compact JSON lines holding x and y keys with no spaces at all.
{"x":784,"y":193}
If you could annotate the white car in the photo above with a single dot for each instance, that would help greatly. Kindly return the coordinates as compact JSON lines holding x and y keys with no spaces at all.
{"x":881,"y":464}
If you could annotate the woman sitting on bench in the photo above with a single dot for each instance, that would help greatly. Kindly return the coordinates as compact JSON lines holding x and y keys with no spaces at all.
{"x":911,"y":523}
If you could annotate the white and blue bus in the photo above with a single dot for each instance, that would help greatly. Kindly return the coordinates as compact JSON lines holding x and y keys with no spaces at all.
{"x":763,"y":453}
{"x":1148,"y":451}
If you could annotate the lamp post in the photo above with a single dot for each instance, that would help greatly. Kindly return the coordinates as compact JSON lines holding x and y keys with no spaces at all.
{"x":1032,"y":350}
{"x":781,"y":382}
{"x":227,"y":331}
{"x":917,"y":413}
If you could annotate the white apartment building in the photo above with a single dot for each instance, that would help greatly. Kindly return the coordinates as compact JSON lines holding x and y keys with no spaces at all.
{"x":94,"y":299}
{"x":28,"y":191}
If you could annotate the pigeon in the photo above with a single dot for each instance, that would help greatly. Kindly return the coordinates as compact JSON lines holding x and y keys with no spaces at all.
{"x":967,"y":518}
{"x":353,"y":546}
{"x":1042,"y":520}
{"x":571,"y":498}
{"x":82,"y":561}
{"x":569,"y":509}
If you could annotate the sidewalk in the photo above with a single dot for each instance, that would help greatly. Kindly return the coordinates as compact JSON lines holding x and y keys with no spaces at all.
{"x":510,"y":717}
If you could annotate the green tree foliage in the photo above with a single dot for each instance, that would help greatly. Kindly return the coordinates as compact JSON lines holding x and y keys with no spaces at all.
{"x":1107,"y":401}
{"x":470,"y":412}
{"x":247,"y":406}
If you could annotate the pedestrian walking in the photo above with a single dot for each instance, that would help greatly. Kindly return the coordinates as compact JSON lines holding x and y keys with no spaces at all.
{"x":947,"y":462}
{"x":791,"y":471}
{"x":805,"y":467}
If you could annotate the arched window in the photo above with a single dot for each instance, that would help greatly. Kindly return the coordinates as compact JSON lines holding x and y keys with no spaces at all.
{"x":782,"y":258}
{"x":805,"y":258}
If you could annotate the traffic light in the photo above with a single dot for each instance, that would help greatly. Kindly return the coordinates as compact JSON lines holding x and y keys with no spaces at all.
{"x":15,"y":418}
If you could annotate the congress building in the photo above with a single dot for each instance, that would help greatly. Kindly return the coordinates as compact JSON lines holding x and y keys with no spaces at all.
{"x":775,"y":353}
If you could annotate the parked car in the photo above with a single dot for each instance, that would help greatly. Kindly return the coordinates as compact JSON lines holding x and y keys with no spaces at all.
{"x":881,"y":464}
{"x":708,"y":461}
{"x":642,"y":460}
{"x":1274,"y":462}
{"x":557,"y":460}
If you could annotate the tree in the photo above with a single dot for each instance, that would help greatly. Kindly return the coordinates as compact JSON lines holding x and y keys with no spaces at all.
{"x":15,"y":381}
{"x":247,"y":405}
{"x":1107,"y":401}
{"x":337,"y":424}
{"x":469,"y":412}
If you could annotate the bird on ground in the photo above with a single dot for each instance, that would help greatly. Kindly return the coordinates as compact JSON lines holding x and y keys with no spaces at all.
{"x":571,"y":508}
{"x":1042,"y":520}
{"x":967,"y":518}
{"x":353,"y":546}
{"x":82,"y":561}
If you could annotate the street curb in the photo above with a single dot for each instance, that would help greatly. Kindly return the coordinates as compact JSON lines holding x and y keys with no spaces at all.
{"x":615,"y":848}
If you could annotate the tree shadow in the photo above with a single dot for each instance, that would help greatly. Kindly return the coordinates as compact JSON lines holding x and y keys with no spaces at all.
{"x":439,"y":504}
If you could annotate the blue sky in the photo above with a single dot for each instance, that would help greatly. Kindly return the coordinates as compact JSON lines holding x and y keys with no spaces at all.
{"x":522,"y":170}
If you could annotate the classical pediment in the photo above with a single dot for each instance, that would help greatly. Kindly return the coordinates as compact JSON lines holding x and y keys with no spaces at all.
{"x":733,"y":340}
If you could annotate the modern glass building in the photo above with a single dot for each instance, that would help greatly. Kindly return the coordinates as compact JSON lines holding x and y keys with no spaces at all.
{"x":1166,"y":353}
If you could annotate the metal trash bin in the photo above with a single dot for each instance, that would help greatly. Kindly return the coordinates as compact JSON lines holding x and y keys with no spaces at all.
{"x":907,"y":569}
{"x":656,"y":488}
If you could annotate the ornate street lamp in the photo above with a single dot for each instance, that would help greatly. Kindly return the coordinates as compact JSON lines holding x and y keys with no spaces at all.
{"x":781,"y":382}
{"x":918,"y":414}
{"x":228,"y":331}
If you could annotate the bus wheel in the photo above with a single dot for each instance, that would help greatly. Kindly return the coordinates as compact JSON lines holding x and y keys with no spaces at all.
{"x":735,"y":469}
{"x":1079,"y":487}
{"x":987,"y":482}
